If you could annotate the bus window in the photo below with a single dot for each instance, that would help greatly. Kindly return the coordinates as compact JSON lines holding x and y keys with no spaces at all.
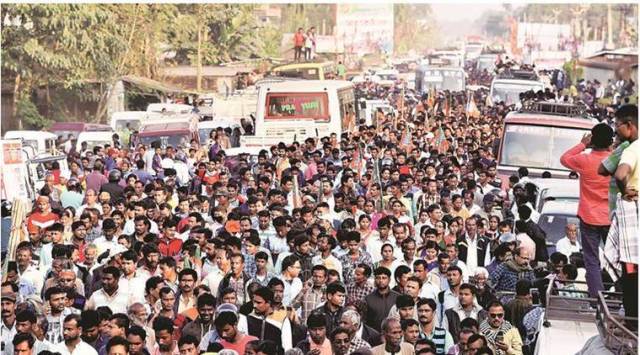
{"x":347,"y":102}
{"x":329,"y":72}
{"x":293,"y":106}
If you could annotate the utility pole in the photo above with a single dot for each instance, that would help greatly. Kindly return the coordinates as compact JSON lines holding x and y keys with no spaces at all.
{"x":609,"y":28}
{"x":199,"y":61}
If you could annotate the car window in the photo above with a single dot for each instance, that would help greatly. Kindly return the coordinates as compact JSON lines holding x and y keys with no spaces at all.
{"x":554,"y":225}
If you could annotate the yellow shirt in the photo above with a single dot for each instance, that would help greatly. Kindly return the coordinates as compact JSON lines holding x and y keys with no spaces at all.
{"x":631,"y":157}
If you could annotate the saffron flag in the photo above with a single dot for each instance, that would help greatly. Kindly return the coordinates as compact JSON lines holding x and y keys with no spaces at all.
{"x":472,"y":109}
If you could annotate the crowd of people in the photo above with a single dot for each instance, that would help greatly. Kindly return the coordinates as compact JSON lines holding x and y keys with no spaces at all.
{"x":392,"y":239}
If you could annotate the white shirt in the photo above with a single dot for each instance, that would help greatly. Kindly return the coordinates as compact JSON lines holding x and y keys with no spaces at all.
{"x":429,"y":290}
{"x":34,"y":276}
{"x":472,"y":254}
{"x":118,"y":302}
{"x":213,"y":280}
{"x":565,"y":247}
{"x":7,"y":335}
{"x":374,"y":246}
{"x":129,"y":227}
{"x":102,"y":244}
{"x":81,"y":349}
{"x":134,"y":287}
{"x":148,"y":160}
{"x":331,"y":262}
{"x":291,"y":289}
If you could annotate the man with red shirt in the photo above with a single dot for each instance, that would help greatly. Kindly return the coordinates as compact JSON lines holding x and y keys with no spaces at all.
{"x":593,"y":207}
{"x":43,"y":217}
{"x":169,"y":245}
{"x":227,"y":327}
{"x":298,"y":43}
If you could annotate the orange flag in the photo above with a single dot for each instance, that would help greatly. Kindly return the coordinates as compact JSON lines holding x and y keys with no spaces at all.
{"x":447,"y":107}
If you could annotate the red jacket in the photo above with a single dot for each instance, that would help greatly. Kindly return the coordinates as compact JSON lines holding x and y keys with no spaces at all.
{"x":170,"y":247}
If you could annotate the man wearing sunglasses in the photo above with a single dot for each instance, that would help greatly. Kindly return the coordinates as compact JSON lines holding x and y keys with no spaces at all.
{"x":503,"y":338}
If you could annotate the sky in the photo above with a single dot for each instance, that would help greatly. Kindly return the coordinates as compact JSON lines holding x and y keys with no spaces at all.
{"x":456,"y":19}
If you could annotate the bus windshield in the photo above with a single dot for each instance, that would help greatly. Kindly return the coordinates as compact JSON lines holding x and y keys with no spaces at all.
{"x":486,"y":63}
{"x":534,"y":146}
{"x":510,"y":93}
{"x":297,"y":106}
{"x":441,"y":79}
{"x":166,"y":140}
{"x":134,"y":124}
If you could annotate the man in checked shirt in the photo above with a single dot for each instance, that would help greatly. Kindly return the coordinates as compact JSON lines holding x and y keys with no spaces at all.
{"x":313,"y":292}
{"x":360,"y":287}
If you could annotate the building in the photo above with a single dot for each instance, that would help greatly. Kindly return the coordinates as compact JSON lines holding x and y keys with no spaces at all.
{"x":611,"y":64}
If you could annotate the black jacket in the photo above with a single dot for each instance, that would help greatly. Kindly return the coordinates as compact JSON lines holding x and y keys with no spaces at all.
{"x":371,"y":336}
{"x":482,"y":245}
{"x":540,"y":238}
{"x":332,"y":318}
{"x":378,"y":307}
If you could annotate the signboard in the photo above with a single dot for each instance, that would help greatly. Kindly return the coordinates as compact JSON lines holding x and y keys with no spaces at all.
{"x":13,"y":178}
{"x":365,"y":28}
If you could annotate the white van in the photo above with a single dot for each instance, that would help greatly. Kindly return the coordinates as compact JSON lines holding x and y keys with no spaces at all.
{"x":297,"y":110}
{"x":94,"y":139}
{"x":41,"y":142}
{"x":119,"y":120}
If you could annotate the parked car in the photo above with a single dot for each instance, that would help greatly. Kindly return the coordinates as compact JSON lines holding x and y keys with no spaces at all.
{"x":42,"y":142}
{"x":555,"y":190}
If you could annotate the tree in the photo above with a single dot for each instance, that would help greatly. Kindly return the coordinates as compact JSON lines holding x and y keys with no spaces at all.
{"x":56,"y":45}
{"x":413,"y":28}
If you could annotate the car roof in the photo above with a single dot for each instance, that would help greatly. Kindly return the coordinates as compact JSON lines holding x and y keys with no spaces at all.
{"x":95,"y":135}
{"x":219,"y":122}
{"x":306,"y":85}
{"x":163,"y":126}
{"x":558,"y":187}
{"x":564,"y":207}
{"x":542,"y":119}
{"x":517,"y":81}
{"x":29,"y":135}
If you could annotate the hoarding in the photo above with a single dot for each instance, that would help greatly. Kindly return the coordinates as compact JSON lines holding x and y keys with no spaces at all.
{"x":13,"y":177}
{"x":365,"y":28}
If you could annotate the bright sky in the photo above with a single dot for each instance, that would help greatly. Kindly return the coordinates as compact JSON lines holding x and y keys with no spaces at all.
{"x":456,"y":19}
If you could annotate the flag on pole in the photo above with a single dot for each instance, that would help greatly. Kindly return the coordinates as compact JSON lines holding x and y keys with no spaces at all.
{"x":447,"y":106}
{"x":472,"y":109}
{"x":488,"y":102}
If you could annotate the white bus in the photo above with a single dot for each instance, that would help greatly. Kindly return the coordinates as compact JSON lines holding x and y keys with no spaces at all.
{"x":300,"y":109}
